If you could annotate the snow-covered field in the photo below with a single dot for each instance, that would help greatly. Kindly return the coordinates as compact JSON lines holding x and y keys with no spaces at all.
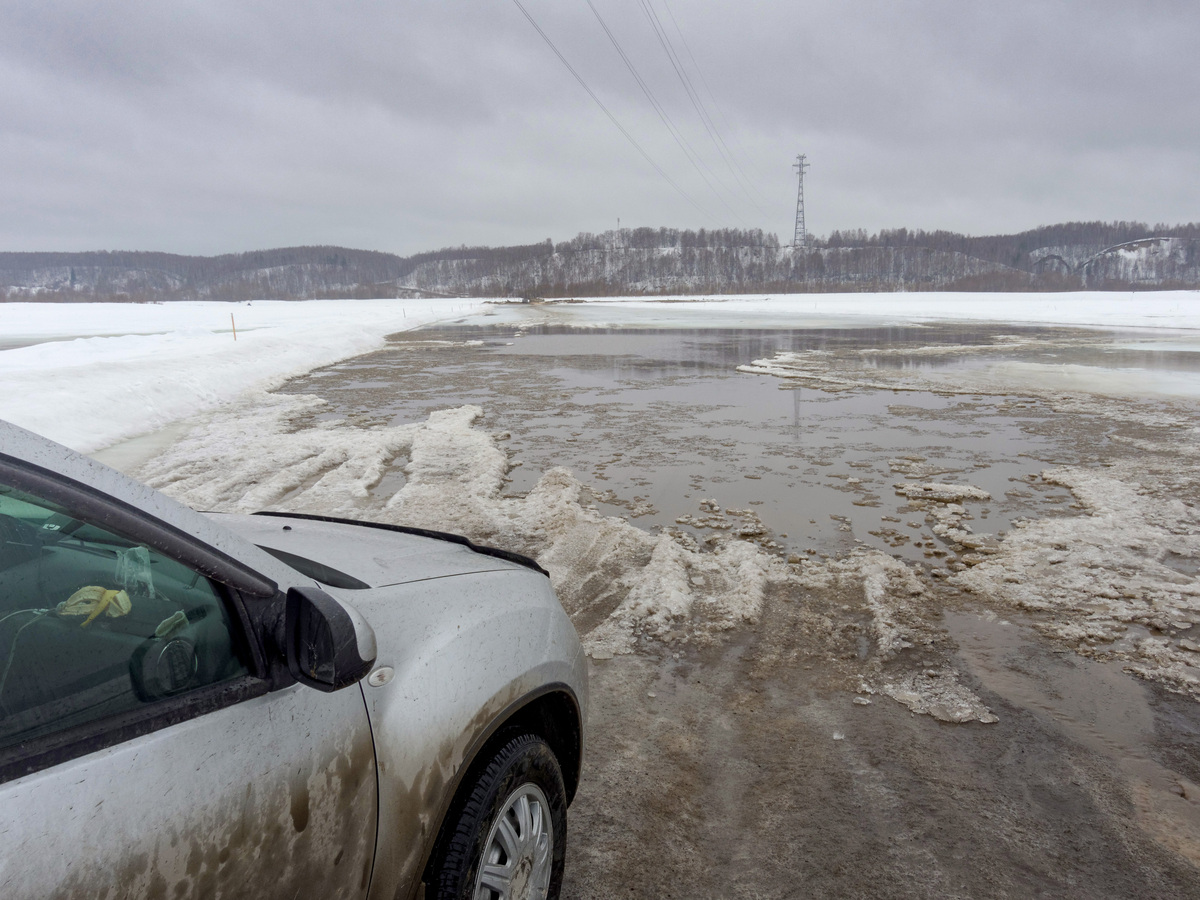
{"x":1105,"y":309}
{"x":91,"y":374}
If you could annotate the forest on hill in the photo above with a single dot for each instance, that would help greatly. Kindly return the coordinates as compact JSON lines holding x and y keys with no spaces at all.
{"x":1069,"y":256}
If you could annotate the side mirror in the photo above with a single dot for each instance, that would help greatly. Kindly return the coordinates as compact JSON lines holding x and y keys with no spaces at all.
{"x":329,"y":646}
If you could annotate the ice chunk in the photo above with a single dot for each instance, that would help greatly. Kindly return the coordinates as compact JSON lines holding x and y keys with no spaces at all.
{"x":941,"y":493}
{"x":941,"y":695}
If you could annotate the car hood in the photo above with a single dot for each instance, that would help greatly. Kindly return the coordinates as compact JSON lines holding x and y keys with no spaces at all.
{"x":372,"y":554}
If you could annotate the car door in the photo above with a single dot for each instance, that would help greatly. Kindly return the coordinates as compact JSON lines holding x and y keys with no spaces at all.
{"x":143,"y":751}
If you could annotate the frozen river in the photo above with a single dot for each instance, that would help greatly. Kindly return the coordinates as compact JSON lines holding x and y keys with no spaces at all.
{"x":656,"y":421}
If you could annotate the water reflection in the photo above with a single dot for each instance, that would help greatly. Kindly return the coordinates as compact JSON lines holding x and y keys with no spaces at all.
{"x":898,"y":347}
{"x":656,"y":421}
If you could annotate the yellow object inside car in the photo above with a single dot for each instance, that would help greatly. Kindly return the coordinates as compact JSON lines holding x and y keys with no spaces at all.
{"x":92,"y":600}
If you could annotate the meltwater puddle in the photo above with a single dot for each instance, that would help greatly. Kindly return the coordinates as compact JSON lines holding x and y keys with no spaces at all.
{"x":664,"y":431}
{"x":1094,"y":703}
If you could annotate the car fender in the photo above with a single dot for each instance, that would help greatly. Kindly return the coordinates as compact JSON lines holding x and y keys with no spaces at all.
{"x":466,"y":652}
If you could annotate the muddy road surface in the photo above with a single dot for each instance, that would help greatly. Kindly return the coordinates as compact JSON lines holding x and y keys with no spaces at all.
{"x":741,"y":771}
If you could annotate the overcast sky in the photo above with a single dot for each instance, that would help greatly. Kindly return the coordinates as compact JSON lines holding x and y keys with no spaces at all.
{"x":226,"y":125}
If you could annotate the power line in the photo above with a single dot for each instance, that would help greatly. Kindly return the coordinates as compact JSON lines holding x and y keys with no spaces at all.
{"x":677,"y":64}
{"x":709,"y":90}
{"x":735,"y":168}
{"x":663,"y":115}
{"x":629,"y":137}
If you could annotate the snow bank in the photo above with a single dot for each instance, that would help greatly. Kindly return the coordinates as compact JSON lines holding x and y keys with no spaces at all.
{"x":1117,"y":582}
{"x":97,"y":373}
{"x":616,"y":580}
{"x":620,"y":584}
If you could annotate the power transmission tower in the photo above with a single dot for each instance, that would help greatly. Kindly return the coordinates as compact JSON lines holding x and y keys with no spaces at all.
{"x":801,"y":237}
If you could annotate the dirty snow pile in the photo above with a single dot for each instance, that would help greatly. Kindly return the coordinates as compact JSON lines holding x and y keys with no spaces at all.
{"x":616,"y":580}
{"x":1118,"y":581}
{"x":890,"y":586}
{"x":90,"y":374}
{"x":619,"y":583}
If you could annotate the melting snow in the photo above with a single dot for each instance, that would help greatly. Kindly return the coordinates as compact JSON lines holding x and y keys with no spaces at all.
{"x":620,"y":584}
{"x":1118,"y":581}
{"x":1093,"y":578}
{"x":617,"y":580}
{"x":97,"y":373}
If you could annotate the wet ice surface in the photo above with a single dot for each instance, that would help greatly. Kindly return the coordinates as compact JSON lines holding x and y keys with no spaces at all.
{"x":658,"y":422}
{"x":999,"y":460}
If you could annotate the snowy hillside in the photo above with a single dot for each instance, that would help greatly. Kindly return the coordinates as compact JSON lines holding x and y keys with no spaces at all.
{"x":1073,"y":256}
{"x":674,"y":269}
{"x":1160,"y":262}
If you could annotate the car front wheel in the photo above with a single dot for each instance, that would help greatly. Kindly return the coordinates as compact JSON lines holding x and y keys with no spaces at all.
{"x":509,"y":837}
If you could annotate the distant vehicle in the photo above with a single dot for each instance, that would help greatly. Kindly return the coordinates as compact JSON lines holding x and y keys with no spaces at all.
{"x":270,"y":706}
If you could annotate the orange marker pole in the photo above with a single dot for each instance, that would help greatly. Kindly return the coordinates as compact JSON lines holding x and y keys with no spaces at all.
{"x":234,"y":324}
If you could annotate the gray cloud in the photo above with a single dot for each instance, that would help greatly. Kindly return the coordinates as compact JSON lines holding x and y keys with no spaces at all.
{"x":219,"y":126}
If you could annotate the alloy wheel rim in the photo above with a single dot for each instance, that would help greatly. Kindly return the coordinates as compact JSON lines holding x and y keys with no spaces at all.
{"x":519,"y":852}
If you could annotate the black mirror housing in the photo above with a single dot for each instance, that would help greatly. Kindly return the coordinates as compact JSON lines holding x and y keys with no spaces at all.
{"x":160,"y":668}
{"x":322,"y":642}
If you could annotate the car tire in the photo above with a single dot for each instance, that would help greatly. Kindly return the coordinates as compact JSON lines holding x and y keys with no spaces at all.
{"x":508,"y":838}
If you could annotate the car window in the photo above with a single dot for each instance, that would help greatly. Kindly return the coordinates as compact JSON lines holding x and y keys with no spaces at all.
{"x":93,"y":624}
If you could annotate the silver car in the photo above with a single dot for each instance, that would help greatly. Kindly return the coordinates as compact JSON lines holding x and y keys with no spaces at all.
{"x":272,"y":705}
